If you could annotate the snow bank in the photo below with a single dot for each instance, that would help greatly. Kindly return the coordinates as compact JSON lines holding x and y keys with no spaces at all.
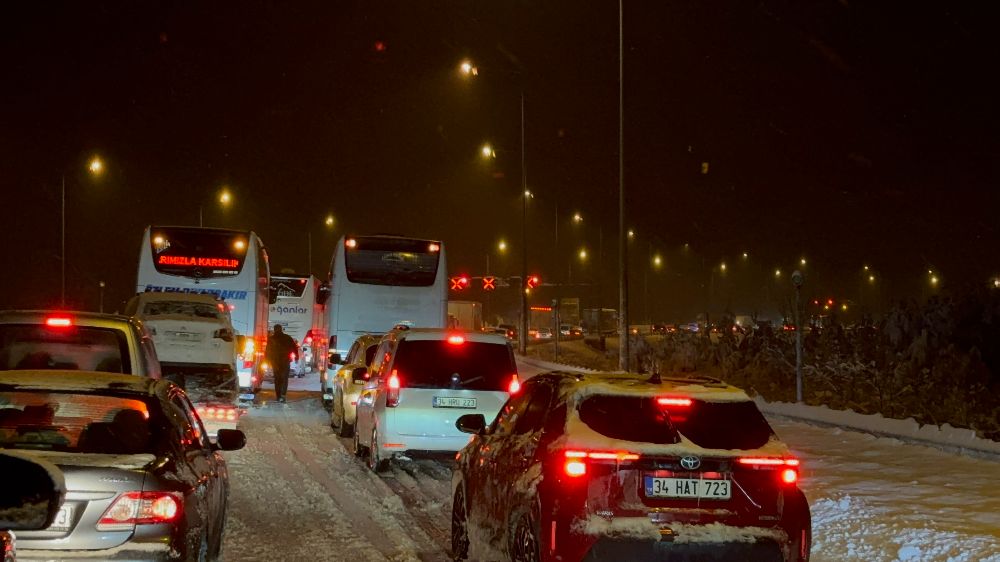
{"x":944,"y":436}
{"x":550,"y":366}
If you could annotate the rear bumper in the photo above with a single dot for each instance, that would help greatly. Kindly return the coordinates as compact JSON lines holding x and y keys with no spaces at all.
{"x":656,"y":551}
{"x":394,"y":443}
{"x":132,"y":552}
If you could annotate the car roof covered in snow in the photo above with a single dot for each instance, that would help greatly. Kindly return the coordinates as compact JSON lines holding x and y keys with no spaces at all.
{"x":79,"y":317}
{"x":708,"y":389}
{"x":78,"y":381}
{"x":443,"y":334}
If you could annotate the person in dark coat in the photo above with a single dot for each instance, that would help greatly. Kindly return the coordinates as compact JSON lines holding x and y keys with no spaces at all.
{"x":279,"y":346}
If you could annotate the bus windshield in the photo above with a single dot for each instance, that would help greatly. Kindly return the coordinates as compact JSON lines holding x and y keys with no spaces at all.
{"x":392,"y":261}
{"x":198,"y":252}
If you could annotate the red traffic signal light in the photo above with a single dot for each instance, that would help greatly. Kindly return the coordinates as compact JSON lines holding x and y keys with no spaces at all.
{"x":489,"y":283}
{"x":459,"y":283}
{"x":533,"y":281}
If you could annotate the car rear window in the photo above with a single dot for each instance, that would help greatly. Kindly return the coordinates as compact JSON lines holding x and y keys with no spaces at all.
{"x":184,"y":308}
{"x":84,"y":348}
{"x":713,"y":425}
{"x":85,"y":423}
{"x":469,"y":365}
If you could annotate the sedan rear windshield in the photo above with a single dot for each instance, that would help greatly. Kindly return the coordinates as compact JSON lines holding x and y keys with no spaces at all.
{"x":85,"y":423}
{"x":468,"y":365}
{"x":712,"y":425}
{"x":84,"y":348}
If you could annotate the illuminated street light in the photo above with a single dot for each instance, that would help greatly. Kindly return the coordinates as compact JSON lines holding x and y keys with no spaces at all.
{"x":329,"y":220}
{"x":225,"y":197}
{"x":631,"y":234}
{"x":871,"y":278}
{"x":722,"y":267}
{"x":657,"y":261}
{"x":468,"y":69}
{"x":502,"y":246}
{"x":96,"y":168}
{"x":866,"y":268}
{"x":934,"y":280}
{"x":528,"y":194}
{"x":745,"y":255}
{"x":583,"y":254}
{"x":777,"y":273}
{"x":577,"y":218}
{"x":487,"y":151}
{"x":802,"y":261}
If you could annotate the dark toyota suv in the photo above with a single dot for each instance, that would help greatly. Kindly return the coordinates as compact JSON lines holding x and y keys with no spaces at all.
{"x":586,"y":467}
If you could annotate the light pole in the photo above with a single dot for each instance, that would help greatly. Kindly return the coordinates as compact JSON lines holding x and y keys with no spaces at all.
{"x":798,"y":279}
{"x":468,"y":69}
{"x":100,"y":300}
{"x":96,"y":168}
{"x":623,"y":351}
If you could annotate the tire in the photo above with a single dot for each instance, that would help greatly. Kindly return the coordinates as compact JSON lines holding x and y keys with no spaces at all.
{"x":336,"y":420}
{"x":345,"y":429}
{"x":524,"y":540}
{"x":359,"y":451}
{"x":798,"y":522}
{"x":375,"y":461}
{"x":459,"y":528}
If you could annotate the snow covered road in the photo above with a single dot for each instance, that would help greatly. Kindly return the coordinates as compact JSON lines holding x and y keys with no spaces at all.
{"x":299,"y":494}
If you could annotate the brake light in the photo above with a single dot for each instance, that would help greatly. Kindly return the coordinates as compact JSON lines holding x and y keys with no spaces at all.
{"x":674,"y":401}
{"x":576,"y":461}
{"x":456,"y":340}
{"x":309,"y":340}
{"x":217,"y":413}
{"x":432,"y":247}
{"x":515,"y":385}
{"x":291,"y":356}
{"x":394,"y":384}
{"x":789,"y":467}
{"x":351,"y":243}
{"x":58,"y":322}
{"x":140,"y":508}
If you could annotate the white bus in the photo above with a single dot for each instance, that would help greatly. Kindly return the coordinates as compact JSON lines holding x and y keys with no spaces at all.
{"x":377,"y":282}
{"x":230,"y":264}
{"x":301,"y":314}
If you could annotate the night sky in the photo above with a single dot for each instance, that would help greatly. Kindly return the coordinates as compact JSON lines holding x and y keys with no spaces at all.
{"x":851,"y":133}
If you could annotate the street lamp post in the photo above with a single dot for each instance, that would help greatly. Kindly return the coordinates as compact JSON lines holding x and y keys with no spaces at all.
{"x":100,"y":299}
{"x":797,"y":280}
{"x":96,"y":168}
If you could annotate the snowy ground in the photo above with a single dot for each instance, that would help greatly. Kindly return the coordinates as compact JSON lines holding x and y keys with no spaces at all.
{"x":299,"y":494}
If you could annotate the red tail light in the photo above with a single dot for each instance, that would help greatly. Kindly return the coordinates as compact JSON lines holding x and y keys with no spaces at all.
{"x":58,"y":322}
{"x":309,"y":340}
{"x":576,"y":461}
{"x":291,"y":356}
{"x":674,"y":401}
{"x":515,"y":385}
{"x":456,"y":340}
{"x":789,"y":467}
{"x":218,"y":413}
{"x":392,"y":396}
{"x":140,"y":508}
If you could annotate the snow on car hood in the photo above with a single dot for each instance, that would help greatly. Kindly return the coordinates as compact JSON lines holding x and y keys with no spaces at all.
{"x":64,"y":458}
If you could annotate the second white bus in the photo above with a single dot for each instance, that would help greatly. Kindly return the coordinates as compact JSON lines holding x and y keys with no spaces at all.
{"x":378,"y":282}
{"x":302,"y":315}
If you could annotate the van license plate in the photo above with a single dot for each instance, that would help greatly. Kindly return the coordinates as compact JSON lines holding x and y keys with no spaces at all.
{"x":687,"y":488}
{"x":63,"y":519}
{"x":452,"y":402}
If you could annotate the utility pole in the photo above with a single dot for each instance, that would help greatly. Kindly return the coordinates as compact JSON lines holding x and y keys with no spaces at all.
{"x":522,"y":338}
{"x":797,"y":280}
{"x":62,"y":293}
{"x":623,"y":351}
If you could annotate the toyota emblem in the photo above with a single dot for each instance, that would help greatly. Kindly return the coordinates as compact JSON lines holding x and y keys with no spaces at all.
{"x":690,"y":462}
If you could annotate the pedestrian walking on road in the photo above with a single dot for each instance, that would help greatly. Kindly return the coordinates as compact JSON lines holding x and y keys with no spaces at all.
{"x":279,"y":346}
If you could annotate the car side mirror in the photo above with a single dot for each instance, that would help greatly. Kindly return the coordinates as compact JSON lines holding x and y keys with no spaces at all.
{"x":471,"y":423}
{"x":360,"y":375}
{"x":334,"y":358}
{"x":33,"y":502}
{"x":230,"y":440}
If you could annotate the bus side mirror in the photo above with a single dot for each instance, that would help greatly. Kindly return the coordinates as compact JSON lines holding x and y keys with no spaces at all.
{"x":34,"y":502}
{"x":272,"y":295}
{"x":324,"y":293}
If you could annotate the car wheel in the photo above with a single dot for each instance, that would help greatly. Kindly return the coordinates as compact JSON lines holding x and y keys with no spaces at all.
{"x":459,"y":528}
{"x":524,"y":543}
{"x":798,"y":523}
{"x":345,"y":429}
{"x":336,"y":417}
{"x":375,"y":461}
